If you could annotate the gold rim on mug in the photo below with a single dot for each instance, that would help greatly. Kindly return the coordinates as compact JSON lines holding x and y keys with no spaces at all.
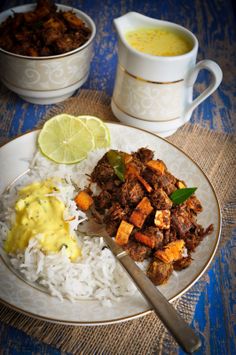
{"x":148,"y":81}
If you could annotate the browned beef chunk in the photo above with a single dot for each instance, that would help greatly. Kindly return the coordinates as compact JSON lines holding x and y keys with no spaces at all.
{"x":84,"y":31}
{"x":169,"y":236}
{"x":182,"y":263}
{"x":194,"y":204}
{"x":157,"y":180}
{"x":116,"y":213}
{"x":144,"y":154}
{"x":46,"y":5}
{"x":6,"y":42}
{"x":43,"y":11}
{"x":167,"y":182}
{"x":50,"y":35}
{"x":55,"y":24}
{"x":103,"y":172}
{"x":111,"y":228}
{"x":137,"y":251}
{"x":171,"y":178}
{"x":32,"y":52}
{"x":23,"y":36}
{"x":30,"y":17}
{"x":18,"y":19}
{"x":114,"y":216}
{"x":194,"y":237}
{"x":181,"y":221}
{"x":139,"y":166}
{"x":103,"y":201}
{"x":72,"y":19}
{"x":154,"y":232}
{"x":192,"y":241}
{"x":160,"y":200}
{"x":151,"y":177}
{"x":112,"y":186}
{"x":22,"y":48}
{"x":45,"y":51}
{"x":81,"y":35}
{"x":67,"y":43}
{"x":159,"y":272}
{"x":208,"y":230}
{"x":131,"y":192}
{"x":170,"y":189}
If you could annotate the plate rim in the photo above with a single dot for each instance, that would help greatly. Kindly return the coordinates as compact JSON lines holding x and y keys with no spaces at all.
{"x":148,"y":311}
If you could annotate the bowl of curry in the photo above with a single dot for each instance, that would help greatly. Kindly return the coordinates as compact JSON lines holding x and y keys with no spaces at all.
{"x":45,"y":50}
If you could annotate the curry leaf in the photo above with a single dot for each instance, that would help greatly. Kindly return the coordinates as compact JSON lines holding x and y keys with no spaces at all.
{"x":181,"y":195}
{"x":117,"y":162}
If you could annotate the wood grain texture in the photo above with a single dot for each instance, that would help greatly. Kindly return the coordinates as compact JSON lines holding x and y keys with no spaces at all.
{"x":213,"y":22}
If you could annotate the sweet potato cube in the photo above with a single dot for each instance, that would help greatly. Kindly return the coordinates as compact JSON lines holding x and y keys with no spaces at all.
{"x":171,"y":252}
{"x":83,"y":200}
{"x":162,"y":219}
{"x":157,"y":166}
{"x":123,"y":233}
{"x":140,"y":213}
{"x":149,"y":241}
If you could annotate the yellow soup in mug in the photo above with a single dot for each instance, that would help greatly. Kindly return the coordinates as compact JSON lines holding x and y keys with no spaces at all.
{"x":158,"y":41}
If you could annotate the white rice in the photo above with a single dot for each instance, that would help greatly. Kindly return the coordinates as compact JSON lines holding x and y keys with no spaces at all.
{"x":96,"y":274}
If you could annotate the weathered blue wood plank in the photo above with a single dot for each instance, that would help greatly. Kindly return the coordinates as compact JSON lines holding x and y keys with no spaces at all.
{"x":15,"y":342}
{"x":215,"y":316}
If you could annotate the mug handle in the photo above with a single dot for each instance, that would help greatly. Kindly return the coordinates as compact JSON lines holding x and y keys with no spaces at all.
{"x":217,"y":75}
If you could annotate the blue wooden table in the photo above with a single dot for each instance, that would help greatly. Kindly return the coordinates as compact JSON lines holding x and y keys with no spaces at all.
{"x":213,"y":22}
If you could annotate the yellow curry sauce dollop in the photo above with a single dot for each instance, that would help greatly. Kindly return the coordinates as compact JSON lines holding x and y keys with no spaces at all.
{"x":37,"y":213}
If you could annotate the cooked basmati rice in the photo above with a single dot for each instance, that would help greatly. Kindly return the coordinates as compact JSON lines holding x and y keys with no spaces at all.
{"x":96,"y":274}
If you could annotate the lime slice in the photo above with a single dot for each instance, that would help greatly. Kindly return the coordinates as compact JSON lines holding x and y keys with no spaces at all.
{"x":65,"y":139}
{"x":98,"y":129}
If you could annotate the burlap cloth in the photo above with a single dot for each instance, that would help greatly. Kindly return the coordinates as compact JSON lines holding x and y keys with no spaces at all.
{"x":215,"y":153}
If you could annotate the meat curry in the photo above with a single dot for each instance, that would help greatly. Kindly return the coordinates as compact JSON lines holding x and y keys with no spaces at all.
{"x":44,"y":31}
{"x":139,"y":211}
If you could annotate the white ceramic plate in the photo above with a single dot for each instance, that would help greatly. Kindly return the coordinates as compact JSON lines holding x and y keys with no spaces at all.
{"x":14,"y":292}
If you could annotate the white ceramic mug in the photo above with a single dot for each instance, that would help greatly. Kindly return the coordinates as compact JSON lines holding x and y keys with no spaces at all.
{"x":156,"y":92}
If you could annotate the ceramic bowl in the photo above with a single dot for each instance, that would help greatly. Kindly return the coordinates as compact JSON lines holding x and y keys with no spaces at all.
{"x":47,"y":80}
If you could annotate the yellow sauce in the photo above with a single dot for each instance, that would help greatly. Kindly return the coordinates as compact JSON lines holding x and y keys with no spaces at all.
{"x":158,"y":41}
{"x":39,"y":214}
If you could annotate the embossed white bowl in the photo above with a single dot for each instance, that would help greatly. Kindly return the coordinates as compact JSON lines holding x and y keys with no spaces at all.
{"x":47,"y":80}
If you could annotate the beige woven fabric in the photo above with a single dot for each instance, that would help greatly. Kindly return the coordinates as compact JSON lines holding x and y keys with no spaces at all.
{"x":215,"y":153}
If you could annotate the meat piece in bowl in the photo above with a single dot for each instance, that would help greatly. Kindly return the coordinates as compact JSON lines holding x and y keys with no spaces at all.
{"x":43,"y":58}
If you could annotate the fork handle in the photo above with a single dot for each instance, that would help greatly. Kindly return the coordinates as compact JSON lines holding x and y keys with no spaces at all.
{"x":180,"y":330}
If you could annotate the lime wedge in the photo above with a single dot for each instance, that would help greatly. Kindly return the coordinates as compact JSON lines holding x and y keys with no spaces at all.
{"x":65,"y":139}
{"x":98,"y":129}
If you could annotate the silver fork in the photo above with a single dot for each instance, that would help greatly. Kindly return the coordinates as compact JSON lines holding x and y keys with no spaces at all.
{"x":180,"y":330}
